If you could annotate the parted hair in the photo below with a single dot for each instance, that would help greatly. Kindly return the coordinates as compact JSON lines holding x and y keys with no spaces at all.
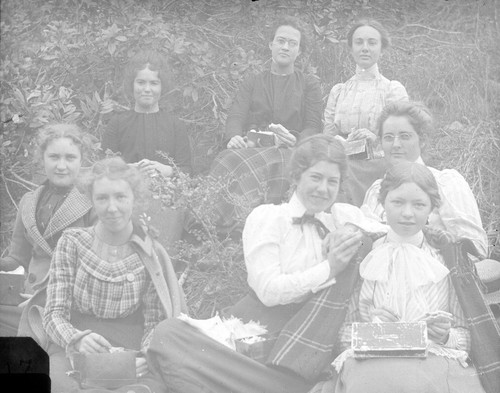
{"x":309,"y":151}
{"x":410,"y":172}
{"x":115,"y":168}
{"x":384,"y":35}
{"x":291,"y":21}
{"x":416,"y":112}
{"x":53,"y":131}
{"x":152,"y":60}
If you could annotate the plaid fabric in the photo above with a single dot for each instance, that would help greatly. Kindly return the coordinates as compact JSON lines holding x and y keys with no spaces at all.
{"x":306,"y":343}
{"x":484,"y":330}
{"x":256,"y":176}
{"x":80,"y":280}
{"x":75,"y":206}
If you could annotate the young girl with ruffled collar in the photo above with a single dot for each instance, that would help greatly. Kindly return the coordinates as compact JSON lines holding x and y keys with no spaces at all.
{"x":405,"y":280}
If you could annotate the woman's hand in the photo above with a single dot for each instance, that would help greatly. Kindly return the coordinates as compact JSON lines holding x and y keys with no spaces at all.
{"x":149,"y":168}
{"x":93,"y":343}
{"x":141,"y":367}
{"x":383,"y":314}
{"x":370,"y":313}
{"x":438,"y":326}
{"x":237,"y":142}
{"x":362,"y":133}
{"x":343,"y":244}
{"x":282,"y":136}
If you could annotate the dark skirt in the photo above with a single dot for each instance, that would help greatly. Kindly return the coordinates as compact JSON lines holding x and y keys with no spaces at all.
{"x":360,"y":176}
{"x":121,"y":332}
{"x":191,"y":362}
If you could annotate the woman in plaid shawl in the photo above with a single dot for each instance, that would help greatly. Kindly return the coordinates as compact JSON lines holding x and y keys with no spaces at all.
{"x":110,"y":284}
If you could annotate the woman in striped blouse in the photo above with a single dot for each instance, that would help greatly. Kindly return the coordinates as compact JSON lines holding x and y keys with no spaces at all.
{"x":405,"y":279}
{"x":353,"y":107}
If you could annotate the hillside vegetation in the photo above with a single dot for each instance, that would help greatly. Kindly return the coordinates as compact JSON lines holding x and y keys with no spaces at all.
{"x":63,"y":60}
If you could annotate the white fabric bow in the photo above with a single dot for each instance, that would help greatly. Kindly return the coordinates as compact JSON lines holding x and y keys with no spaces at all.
{"x":404,"y":269}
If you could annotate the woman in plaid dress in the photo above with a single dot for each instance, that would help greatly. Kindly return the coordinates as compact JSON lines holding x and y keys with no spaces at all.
{"x":110,"y":284}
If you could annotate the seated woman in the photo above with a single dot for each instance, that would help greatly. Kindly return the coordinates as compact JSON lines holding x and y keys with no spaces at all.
{"x":405,"y":279}
{"x":42,"y":216}
{"x":403,"y":129}
{"x":110,"y":284}
{"x":139,"y":134}
{"x":281,"y":95}
{"x":289,"y":257}
{"x":354,"y":106}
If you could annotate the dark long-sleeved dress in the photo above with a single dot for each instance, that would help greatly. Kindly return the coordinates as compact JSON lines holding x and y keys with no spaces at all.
{"x":259,"y":175}
{"x":141,"y":135}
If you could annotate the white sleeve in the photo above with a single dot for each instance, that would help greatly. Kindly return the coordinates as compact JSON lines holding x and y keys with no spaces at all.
{"x":344,"y":213}
{"x":459,"y":211}
{"x":264,"y":238}
{"x":331,"y":105}
{"x":371,"y":206}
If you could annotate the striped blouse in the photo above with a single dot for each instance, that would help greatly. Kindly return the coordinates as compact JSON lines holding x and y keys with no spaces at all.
{"x":358,"y":102}
{"x":437,"y":296}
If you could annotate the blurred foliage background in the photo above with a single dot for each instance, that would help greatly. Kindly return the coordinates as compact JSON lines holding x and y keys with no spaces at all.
{"x":63,"y":60}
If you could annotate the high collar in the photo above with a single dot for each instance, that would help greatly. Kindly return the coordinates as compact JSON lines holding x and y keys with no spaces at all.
{"x":55,"y":189}
{"x":297,"y":209}
{"x":416,"y":239}
{"x":368,"y":74}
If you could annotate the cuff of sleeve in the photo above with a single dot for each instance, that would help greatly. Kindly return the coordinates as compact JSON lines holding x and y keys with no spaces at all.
{"x":371,"y":228}
{"x":146,"y":341}
{"x":453,"y":340}
{"x":77,"y":336}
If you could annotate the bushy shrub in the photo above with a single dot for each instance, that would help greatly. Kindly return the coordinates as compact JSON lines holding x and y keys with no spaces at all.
{"x":63,"y":60}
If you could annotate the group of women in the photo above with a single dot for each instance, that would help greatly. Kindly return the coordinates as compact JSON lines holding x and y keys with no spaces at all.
{"x":97,"y":280}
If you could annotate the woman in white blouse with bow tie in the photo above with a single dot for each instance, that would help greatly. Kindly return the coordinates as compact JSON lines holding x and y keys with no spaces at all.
{"x":354,"y":106}
{"x":287,"y":262}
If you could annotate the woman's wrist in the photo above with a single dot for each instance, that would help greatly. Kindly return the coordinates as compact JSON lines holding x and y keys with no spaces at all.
{"x":75,"y":340}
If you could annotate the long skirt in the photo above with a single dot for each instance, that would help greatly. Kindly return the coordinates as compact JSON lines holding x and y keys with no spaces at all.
{"x":434,"y":374}
{"x":255,"y":176}
{"x":191,"y":362}
{"x":124,"y":332}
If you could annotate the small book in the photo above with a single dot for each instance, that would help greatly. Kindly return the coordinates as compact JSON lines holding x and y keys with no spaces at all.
{"x":389,"y":339}
{"x":261,"y":138}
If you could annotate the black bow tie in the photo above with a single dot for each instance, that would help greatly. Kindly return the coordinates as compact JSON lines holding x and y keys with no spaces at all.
{"x":310,"y":219}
